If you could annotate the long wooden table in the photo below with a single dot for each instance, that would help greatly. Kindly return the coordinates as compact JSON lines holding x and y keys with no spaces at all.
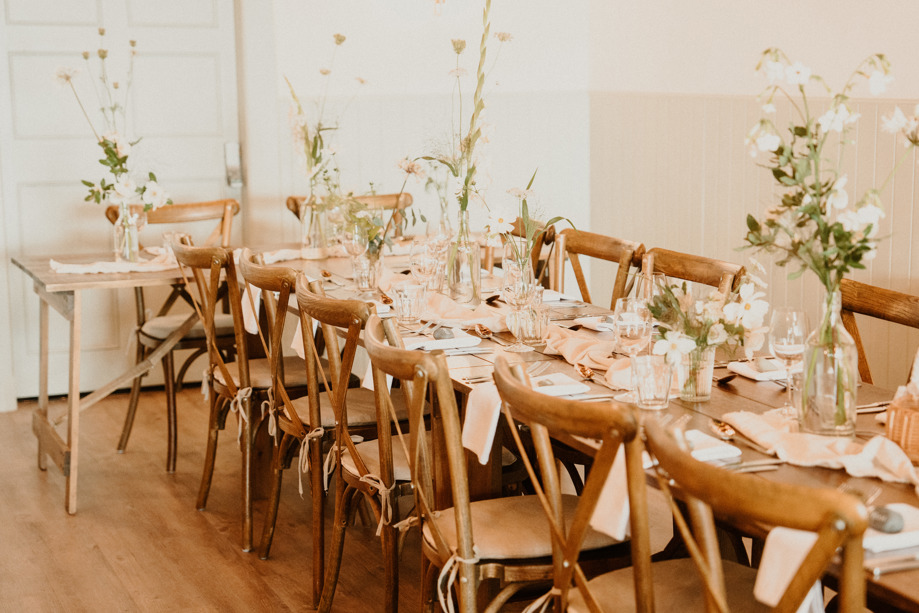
{"x":63,"y":293}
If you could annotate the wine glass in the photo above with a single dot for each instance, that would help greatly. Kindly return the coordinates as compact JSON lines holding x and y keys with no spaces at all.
{"x":632,"y":324}
{"x":354,"y":240}
{"x":788,"y":330}
{"x":423,"y":261}
{"x":647,"y":287}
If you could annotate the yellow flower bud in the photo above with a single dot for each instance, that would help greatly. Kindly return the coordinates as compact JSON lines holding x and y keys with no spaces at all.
{"x":103,"y":53}
{"x":101,"y":31}
{"x":459,"y":45}
{"x":86,"y":55}
{"x":339,"y":38}
{"x":133,"y":43}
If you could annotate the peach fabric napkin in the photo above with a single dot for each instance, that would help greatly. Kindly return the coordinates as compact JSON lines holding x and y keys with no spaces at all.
{"x":783,"y":553}
{"x":879,"y":457}
{"x":452,"y":314}
{"x":483,"y":408}
{"x":584,"y":348}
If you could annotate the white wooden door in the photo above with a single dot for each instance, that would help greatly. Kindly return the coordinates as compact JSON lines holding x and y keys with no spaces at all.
{"x":184,"y":105}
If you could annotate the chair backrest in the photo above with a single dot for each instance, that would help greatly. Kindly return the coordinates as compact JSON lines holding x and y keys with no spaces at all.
{"x":693,"y":268}
{"x":572,"y":243}
{"x":282,"y":281}
{"x":388,"y":202}
{"x":212,"y":267}
{"x":616,"y":428}
{"x":333,"y":315}
{"x":222,"y":210}
{"x":838,"y":519}
{"x":421,"y":373}
{"x":873,"y":301}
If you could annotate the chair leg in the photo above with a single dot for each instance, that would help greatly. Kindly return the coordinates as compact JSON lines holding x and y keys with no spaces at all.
{"x":132,"y":404}
{"x":171,"y":428}
{"x":390,"y":538}
{"x":429,"y":574}
{"x":246,"y":475}
{"x":274,"y":500}
{"x":317,"y":492}
{"x":344,"y":499}
{"x":210,"y":454}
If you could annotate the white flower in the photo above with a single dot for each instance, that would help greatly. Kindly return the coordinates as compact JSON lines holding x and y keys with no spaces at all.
{"x":870,"y":254}
{"x":774,"y":71}
{"x":797,"y":74}
{"x":499,"y":224}
{"x":124,"y":191}
{"x":837,"y":118}
{"x":769,"y":108}
{"x":857,"y":221}
{"x":154,"y":194}
{"x":768,"y":142}
{"x":716,"y":335}
{"x":754,"y":340}
{"x":878,"y":82}
{"x":122,"y":146}
{"x":748,"y":310}
{"x":895,"y":122}
{"x":64,"y":74}
{"x":674,"y":345}
{"x":838,"y":198}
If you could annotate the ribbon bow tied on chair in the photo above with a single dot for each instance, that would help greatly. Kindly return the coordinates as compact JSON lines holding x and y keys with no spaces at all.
{"x":236,"y":406}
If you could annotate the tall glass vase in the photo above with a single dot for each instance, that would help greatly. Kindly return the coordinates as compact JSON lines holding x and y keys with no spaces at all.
{"x":125,"y":241}
{"x":830,"y":377}
{"x":314,"y":232}
{"x":464,"y":269}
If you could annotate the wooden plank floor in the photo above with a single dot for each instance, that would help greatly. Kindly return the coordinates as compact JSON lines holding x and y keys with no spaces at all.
{"x":138,"y":544}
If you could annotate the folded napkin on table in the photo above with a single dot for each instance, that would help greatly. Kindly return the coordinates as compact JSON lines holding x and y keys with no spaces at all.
{"x":761,"y":369}
{"x":558,"y":384}
{"x":877,"y":542}
{"x":460,"y":340}
{"x":598,"y":323}
{"x":783,"y":553}
{"x":165,"y":260}
{"x":447,"y":311}
{"x":879,"y":457}
{"x":550,"y":296}
{"x":281,"y":255}
{"x":584,"y":348}
{"x":707,"y":448}
{"x":483,"y":408}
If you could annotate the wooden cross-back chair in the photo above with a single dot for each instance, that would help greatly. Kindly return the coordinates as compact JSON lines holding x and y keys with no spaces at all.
{"x":396,"y":203}
{"x":303,"y":422}
{"x":502,"y":539}
{"x":615,"y":425}
{"x":889,"y":305}
{"x":693,"y":268}
{"x":370,"y":469}
{"x":151,"y":332}
{"x":570,"y":244}
{"x":233,"y":386}
{"x":705,"y":582}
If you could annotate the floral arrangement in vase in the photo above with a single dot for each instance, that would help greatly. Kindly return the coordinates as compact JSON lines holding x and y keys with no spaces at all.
{"x":309,"y":138}
{"x":122,"y":190}
{"x":463,"y":268}
{"x":689,"y":330}
{"x":815,"y":224}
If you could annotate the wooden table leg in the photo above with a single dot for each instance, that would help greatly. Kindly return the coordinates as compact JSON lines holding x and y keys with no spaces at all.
{"x":73,"y":404}
{"x":42,"y":410}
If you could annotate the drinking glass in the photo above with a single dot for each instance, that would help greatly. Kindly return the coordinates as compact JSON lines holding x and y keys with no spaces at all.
{"x":633,"y":326}
{"x":423,"y":261}
{"x":354,"y":239}
{"x":649,"y":286}
{"x":788,"y":329}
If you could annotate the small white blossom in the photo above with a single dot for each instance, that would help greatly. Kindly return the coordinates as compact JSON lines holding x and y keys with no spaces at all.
{"x":878,"y":82}
{"x":65,"y":74}
{"x":839,"y":198}
{"x":837,"y":118}
{"x":499,"y":224}
{"x":894,"y":122}
{"x":774,"y":71}
{"x":154,"y":194}
{"x":717,"y":335}
{"x":754,"y":340}
{"x":124,"y":191}
{"x":769,"y":108}
{"x":768,"y":142}
{"x":674,"y":345}
{"x":748,"y":310}
{"x":797,"y":74}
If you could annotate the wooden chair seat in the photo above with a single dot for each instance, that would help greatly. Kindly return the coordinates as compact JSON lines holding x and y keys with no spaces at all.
{"x":260,"y":373}
{"x":158,"y":328}
{"x":511,"y":528}
{"x":370,"y":456}
{"x":676,"y":588}
{"x":362,"y":409}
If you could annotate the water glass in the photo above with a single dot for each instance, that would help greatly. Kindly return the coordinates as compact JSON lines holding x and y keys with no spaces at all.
{"x":409,"y":301}
{"x":651,"y":377}
{"x":365,"y":272}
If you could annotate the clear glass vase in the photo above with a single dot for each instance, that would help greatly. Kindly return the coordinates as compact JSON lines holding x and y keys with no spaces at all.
{"x":314,"y":230}
{"x":464,"y":269}
{"x":125,"y":239}
{"x":366,"y":269}
{"x":830,"y":375}
{"x":695,"y":374}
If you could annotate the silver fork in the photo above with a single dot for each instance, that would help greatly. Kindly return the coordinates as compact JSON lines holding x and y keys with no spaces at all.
{"x":428,"y":327}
